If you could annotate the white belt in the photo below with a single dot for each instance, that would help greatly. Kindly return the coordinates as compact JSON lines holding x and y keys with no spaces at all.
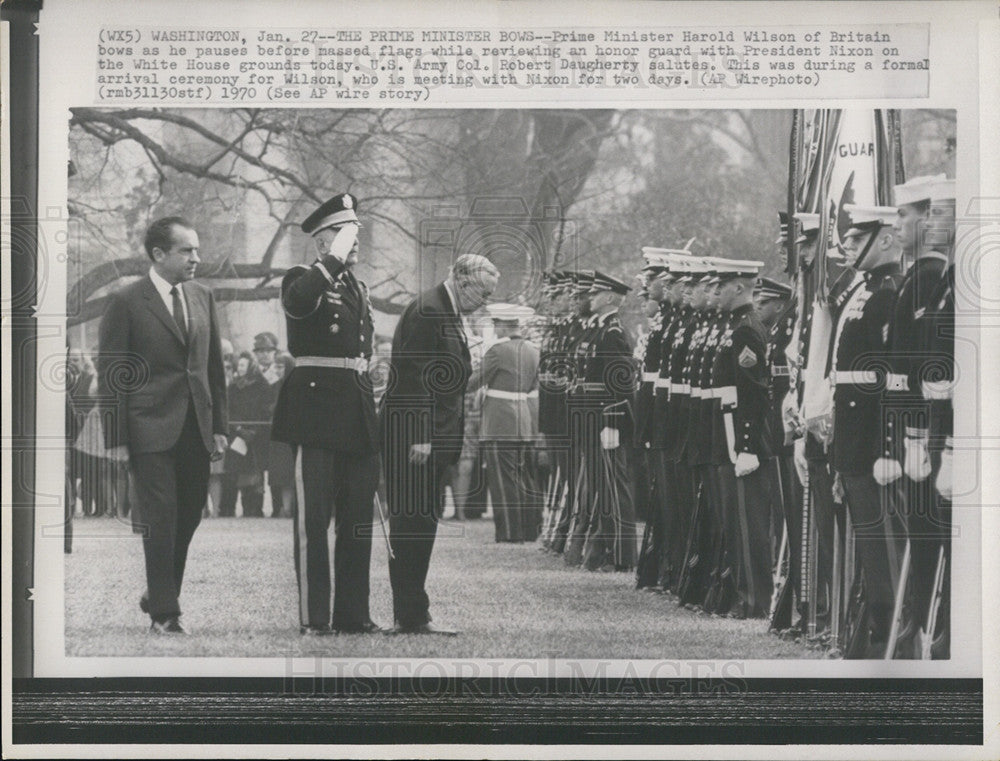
{"x":680,"y":388}
{"x":650,"y":377}
{"x":696,"y":392}
{"x":663,"y":382}
{"x":726,"y":394}
{"x":856,"y":377}
{"x":516,"y":396}
{"x":358,"y":364}
{"x":779,"y":371}
{"x":896,"y":382}
{"x":937,"y":389}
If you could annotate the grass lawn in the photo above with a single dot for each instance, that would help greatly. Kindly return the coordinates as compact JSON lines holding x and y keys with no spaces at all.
{"x":509,"y":601}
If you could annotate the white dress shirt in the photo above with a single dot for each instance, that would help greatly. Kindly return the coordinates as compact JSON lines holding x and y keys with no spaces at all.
{"x":163,"y":288}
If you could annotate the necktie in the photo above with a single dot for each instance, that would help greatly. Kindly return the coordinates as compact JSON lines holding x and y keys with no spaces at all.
{"x":179,"y":312}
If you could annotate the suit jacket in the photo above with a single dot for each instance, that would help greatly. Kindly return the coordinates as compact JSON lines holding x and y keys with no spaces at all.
{"x":430,"y":368}
{"x":148,"y":375}
{"x":328,"y":315}
{"x":510,"y":366}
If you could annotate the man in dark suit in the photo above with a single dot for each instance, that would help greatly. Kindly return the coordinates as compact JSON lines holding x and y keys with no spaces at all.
{"x":423,"y":427}
{"x":326,"y":411}
{"x":160,"y":367}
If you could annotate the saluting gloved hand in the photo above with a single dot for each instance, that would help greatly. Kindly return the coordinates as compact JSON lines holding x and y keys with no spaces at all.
{"x":746,"y":463}
{"x":943,"y":482}
{"x":886,"y":471}
{"x":342,"y":244}
{"x":610,"y":438}
{"x":799,"y":458}
{"x":916,"y":458}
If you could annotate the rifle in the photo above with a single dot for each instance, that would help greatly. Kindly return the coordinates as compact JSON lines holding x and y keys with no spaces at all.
{"x":926,"y":635}
{"x":897,"y":607}
{"x":685,"y":581}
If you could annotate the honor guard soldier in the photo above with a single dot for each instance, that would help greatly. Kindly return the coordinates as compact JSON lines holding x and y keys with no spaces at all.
{"x":776,"y":306}
{"x":658,"y":309}
{"x":695,"y":575}
{"x":721,"y":589}
{"x":668,"y":541}
{"x":608,"y":376}
{"x":904,"y":464}
{"x":741,"y":440}
{"x":582,"y":427}
{"x":553,"y":382}
{"x":937,"y":388}
{"x":509,"y":424}
{"x":858,"y":350}
{"x":811,"y":457}
{"x":326,"y":411}
{"x":672,"y":420}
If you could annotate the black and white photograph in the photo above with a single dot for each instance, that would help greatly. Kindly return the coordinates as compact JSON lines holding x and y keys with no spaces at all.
{"x":500,"y":378}
{"x":579,"y":381}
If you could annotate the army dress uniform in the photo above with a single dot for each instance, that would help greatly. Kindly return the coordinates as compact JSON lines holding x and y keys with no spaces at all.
{"x":326,"y":411}
{"x":741,"y":430}
{"x":646,"y":428}
{"x":508,"y":430}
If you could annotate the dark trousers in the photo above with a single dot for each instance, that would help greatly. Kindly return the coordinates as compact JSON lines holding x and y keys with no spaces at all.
{"x":568,"y":459}
{"x":171,"y":488}
{"x":338,"y":485}
{"x":611,"y":533}
{"x":516,"y":502}
{"x":747,"y":508}
{"x":791,"y":508}
{"x":416,"y":501}
{"x":651,"y":552}
{"x":868,"y":503}
{"x":824,"y":512}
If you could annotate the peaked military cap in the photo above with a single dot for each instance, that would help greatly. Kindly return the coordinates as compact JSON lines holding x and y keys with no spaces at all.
{"x":771,"y":289}
{"x":917,"y":189}
{"x":338,"y":210}
{"x":509,"y":312}
{"x":604,"y":282}
{"x":865,"y":219}
{"x":731,"y":269}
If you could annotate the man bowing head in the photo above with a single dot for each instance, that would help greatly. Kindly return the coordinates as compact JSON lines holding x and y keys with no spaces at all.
{"x":423,"y":427}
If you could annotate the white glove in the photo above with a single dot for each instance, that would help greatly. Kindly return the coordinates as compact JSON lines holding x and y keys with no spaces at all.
{"x":239,"y":446}
{"x":790,"y":418}
{"x":916,"y":459}
{"x":610,"y":438}
{"x":799,"y":458}
{"x":838,"y":489}
{"x":344,"y":242}
{"x":886,"y":471}
{"x":746,"y":464}
{"x":943,"y":483}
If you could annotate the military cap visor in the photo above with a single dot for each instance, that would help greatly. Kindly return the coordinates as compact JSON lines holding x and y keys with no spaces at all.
{"x":917,"y":190}
{"x":339,"y":210}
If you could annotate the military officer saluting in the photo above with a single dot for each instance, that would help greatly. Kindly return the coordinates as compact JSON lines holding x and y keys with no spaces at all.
{"x":326,"y":411}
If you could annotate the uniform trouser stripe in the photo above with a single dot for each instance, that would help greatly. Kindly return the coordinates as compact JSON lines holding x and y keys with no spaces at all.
{"x":301,"y":540}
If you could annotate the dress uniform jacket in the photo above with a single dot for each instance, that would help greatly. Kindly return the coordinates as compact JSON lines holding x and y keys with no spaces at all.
{"x":329,"y":315}
{"x":703,"y":400}
{"x":779,"y":337}
{"x":509,"y":373}
{"x":860,"y":347}
{"x":645,"y":429}
{"x":906,"y":349}
{"x":554,"y":376}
